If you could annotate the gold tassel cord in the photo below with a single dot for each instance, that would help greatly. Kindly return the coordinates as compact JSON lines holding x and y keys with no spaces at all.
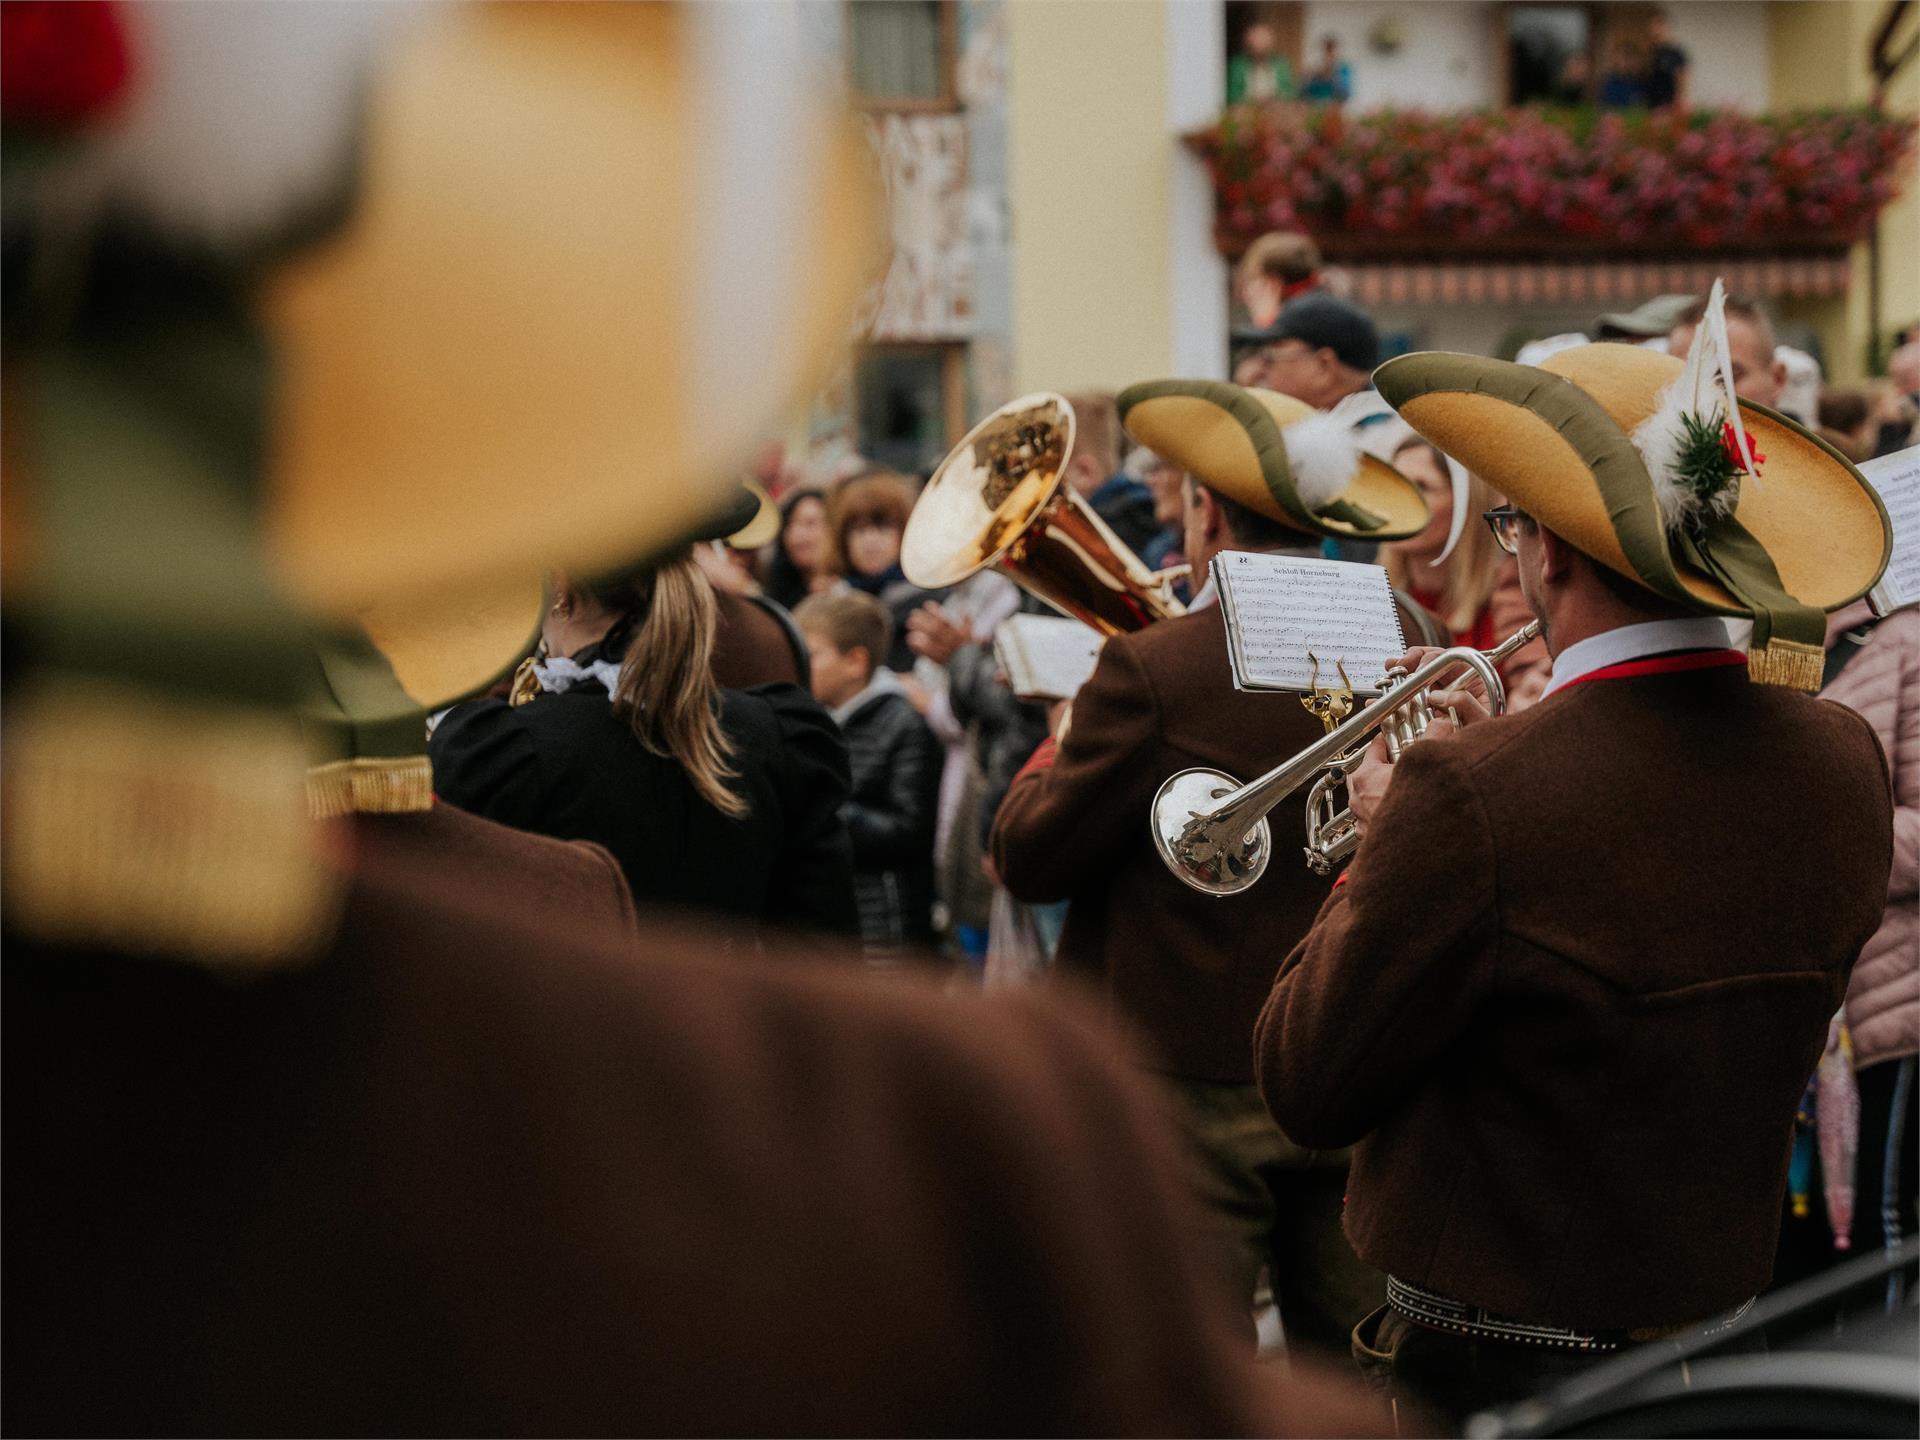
{"x":151,"y":826}
{"x":370,"y":786}
{"x":1785,"y":662}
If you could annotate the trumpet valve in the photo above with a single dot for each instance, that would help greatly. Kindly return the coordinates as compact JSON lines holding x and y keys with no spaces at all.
{"x":1406,"y":724}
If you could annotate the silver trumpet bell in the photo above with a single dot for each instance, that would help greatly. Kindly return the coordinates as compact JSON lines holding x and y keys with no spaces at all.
{"x":1212,"y":831}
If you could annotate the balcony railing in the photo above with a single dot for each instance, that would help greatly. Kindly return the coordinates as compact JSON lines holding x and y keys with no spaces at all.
{"x":1528,"y":183}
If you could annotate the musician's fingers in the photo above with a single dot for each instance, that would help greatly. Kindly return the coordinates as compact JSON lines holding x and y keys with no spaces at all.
{"x":1367,"y":785}
{"x":1414,"y":658}
{"x":1463,"y":706}
{"x":1462,"y":677}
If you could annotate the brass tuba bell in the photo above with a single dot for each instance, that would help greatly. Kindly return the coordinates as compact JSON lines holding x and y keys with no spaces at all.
{"x":1000,"y":499}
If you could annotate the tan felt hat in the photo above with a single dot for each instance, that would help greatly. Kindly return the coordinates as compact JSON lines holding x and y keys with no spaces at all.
{"x":529,"y":344}
{"x":525,"y":346}
{"x":538,"y":336}
{"x":1278,"y":456}
{"x":1809,"y":535}
{"x":763,"y":526}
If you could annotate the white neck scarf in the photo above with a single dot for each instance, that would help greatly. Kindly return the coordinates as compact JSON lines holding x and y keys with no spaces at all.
{"x":559,"y":674}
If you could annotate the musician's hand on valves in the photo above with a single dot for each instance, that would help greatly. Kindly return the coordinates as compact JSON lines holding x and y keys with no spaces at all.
{"x":1452,"y":709}
{"x":1367,"y":783}
{"x":1455,"y":709}
{"x":1421,"y":654}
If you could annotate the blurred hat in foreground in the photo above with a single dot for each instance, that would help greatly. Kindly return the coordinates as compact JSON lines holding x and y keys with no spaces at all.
{"x":458,"y":398}
{"x":333,"y":316}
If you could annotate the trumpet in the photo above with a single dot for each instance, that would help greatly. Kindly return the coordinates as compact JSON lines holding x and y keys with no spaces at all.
{"x":1000,"y":499}
{"x":1212,"y":832}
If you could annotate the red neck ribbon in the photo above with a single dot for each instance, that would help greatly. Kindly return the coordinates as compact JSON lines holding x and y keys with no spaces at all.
{"x":1662,"y":665}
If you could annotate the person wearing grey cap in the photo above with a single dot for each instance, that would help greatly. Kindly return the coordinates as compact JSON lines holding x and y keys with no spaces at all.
{"x":1321,"y":349}
{"x":1652,"y":320}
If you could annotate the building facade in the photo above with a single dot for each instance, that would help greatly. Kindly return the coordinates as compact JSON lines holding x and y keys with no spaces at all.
{"x":1053,"y":230}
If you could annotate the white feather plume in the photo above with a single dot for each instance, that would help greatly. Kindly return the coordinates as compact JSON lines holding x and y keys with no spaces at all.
{"x":1704,"y":389}
{"x":1456,"y":473}
{"x":1377,"y":427}
{"x":1324,"y":455}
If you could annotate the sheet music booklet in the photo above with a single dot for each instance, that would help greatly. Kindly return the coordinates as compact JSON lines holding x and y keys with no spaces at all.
{"x":1046,"y":657}
{"x":1278,"y":608}
{"x":1897,"y":478}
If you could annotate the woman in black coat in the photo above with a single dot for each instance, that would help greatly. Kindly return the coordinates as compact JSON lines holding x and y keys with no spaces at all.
{"x":722,"y":801}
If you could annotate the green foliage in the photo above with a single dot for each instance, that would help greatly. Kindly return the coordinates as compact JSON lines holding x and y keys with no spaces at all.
{"x":1703,"y":464}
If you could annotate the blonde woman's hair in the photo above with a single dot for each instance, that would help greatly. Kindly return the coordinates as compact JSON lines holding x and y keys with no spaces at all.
{"x":666,"y":690}
{"x":1467,"y":579}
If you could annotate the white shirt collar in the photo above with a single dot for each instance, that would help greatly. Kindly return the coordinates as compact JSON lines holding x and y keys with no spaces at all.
{"x":1632,"y":642}
{"x":1207,"y":596}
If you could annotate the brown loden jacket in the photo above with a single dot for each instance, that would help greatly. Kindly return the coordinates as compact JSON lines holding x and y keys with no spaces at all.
{"x":1573,"y":986}
{"x":480,"y":861}
{"x":472,"y":1170}
{"x":1191,"y":971}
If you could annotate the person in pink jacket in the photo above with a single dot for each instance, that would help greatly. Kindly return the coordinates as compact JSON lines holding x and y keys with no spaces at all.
{"x":1874,"y":669}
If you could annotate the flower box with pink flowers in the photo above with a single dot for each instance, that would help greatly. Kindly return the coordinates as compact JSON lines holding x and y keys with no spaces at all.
{"x":1530,"y":182}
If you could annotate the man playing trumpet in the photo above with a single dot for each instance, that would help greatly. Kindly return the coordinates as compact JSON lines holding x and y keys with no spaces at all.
{"x":1266,"y":472}
{"x":1567,"y":995}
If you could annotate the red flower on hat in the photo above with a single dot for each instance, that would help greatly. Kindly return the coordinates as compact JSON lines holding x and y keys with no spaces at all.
{"x":1752,"y":460}
{"x":61,"y":61}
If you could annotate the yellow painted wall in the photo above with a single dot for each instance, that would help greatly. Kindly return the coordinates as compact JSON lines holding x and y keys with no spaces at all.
{"x":1090,"y":162}
{"x":1820,"y":52}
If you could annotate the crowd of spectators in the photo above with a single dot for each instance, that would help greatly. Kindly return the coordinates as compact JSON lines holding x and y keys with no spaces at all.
{"x":935,"y":737}
{"x":519,"y":982}
{"x":909,"y":674}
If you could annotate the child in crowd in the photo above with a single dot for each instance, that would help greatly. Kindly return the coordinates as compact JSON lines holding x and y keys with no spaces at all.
{"x":895,"y":763}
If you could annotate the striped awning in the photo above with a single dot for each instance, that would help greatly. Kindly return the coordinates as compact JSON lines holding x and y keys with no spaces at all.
{"x":1584,"y":282}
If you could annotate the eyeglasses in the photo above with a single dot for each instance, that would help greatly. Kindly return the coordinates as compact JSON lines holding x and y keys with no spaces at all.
{"x":1281,"y":351}
{"x":1505,"y":524}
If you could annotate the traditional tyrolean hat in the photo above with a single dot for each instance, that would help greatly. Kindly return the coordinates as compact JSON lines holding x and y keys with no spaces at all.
{"x":1638,"y":460}
{"x":1276,"y":455}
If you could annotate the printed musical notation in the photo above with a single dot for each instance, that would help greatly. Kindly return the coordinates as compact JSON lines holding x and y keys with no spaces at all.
{"x":1278,"y":609}
{"x":1897,"y":478}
